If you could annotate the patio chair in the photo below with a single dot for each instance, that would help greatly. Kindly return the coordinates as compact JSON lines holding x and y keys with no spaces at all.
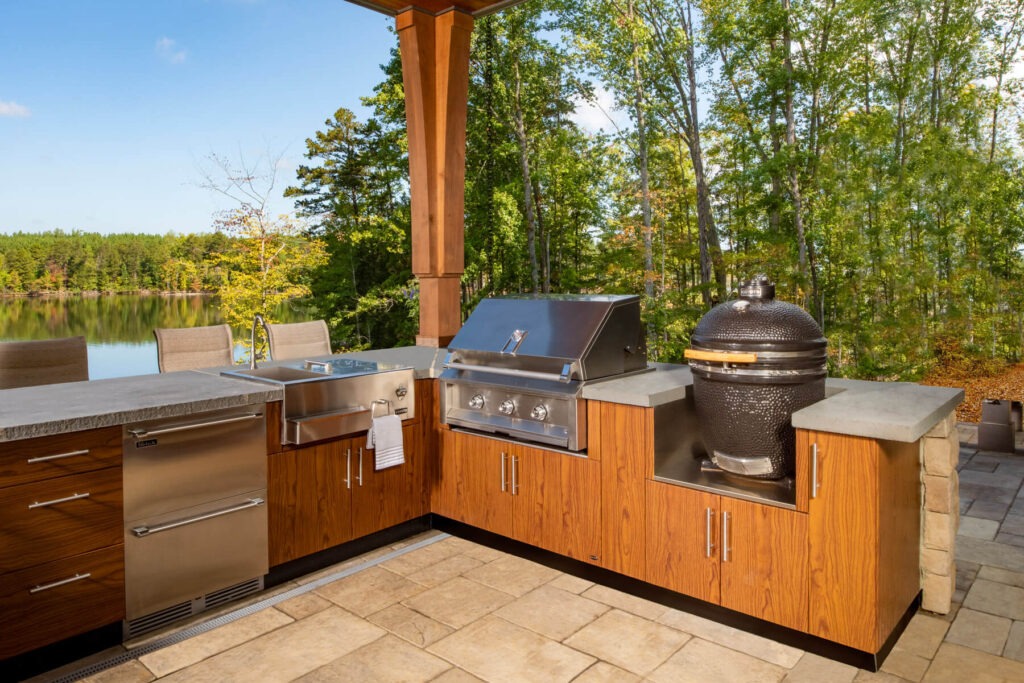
{"x":49,"y":361}
{"x":191,"y":348}
{"x":299,"y":340}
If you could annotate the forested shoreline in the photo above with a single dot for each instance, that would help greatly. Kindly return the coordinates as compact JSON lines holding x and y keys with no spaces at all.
{"x":866,"y":155}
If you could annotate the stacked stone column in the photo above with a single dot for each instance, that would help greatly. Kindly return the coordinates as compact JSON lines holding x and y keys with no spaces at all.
{"x":940,"y":452}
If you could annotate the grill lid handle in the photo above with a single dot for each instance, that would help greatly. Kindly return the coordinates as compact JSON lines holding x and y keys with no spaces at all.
{"x":515,"y":339}
{"x":721,"y":356}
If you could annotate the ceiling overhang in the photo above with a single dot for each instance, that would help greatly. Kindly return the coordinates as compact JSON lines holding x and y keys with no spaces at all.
{"x":475,"y":8}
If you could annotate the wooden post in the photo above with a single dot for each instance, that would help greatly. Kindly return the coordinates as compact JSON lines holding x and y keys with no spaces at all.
{"x":435,"y":72}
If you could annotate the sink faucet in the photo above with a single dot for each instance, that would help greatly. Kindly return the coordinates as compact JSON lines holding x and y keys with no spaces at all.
{"x":257,"y":320}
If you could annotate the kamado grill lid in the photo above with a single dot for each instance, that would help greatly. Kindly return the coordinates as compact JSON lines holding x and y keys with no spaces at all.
{"x":757,"y":322}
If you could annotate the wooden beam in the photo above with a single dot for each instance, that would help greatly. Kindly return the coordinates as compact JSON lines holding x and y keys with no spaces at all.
{"x":435,"y":73}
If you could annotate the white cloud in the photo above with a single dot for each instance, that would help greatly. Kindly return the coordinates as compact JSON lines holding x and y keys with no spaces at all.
{"x":599,"y":114}
{"x":15,"y":110}
{"x":167,"y":49}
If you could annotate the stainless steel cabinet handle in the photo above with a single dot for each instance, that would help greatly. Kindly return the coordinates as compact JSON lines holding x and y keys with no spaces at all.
{"x":48,"y":586}
{"x":725,"y":537}
{"x":709,"y":515}
{"x":814,"y":470}
{"x":348,"y":468}
{"x":360,"y":479}
{"x":74,"y":496}
{"x":504,"y":486}
{"x":141,"y":531}
{"x":515,"y":475}
{"x":139,"y":432}
{"x":57,"y":456}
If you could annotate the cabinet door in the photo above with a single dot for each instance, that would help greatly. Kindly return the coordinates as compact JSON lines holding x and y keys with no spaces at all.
{"x":683,"y":536}
{"x":384,"y":498}
{"x":764,"y":562}
{"x":335,"y":475}
{"x":581,"y":508}
{"x":444,"y":490}
{"x":482,"y":482}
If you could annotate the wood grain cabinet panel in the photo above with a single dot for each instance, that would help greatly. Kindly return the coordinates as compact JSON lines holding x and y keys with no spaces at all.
{"x":483,"y":474}
{"x":53,"y":601}
{"x":864,"y":526}
{"x":683,"y":537}
{"x":54,"y":518}
{"x":384,"y":498}
{"x":622,"y":438}
{"x":46,"y":457}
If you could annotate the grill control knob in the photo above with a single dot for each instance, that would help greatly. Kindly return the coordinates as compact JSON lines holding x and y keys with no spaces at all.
{"x":507,"y":407}
{"x":477,"y":402}
{"x":539,"y":412}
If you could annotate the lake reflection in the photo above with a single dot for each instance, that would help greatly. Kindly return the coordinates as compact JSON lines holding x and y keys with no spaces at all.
{"x":118,"y":328}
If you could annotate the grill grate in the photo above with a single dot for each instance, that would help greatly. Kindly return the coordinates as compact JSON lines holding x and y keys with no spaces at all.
{"x":185,"y":634}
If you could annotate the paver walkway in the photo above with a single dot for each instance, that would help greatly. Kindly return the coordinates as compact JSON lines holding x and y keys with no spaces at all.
{"x":457,"y":611}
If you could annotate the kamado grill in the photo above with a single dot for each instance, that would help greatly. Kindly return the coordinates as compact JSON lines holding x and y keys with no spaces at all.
{"x":755,"y":361}
{"x":519,"y":363}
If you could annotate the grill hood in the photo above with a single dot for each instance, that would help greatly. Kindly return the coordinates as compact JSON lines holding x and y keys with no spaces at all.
{"x":553,"y":336}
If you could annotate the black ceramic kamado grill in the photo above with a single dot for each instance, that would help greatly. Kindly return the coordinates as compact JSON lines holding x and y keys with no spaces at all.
{"x":755,"y":361}
{"x":517,"y":366}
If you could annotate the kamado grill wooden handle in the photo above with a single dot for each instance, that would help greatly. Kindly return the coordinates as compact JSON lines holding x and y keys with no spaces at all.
{"x":721,"y":356}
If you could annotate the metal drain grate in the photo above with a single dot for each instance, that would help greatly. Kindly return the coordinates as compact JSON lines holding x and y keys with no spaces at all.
{"x":185,"y":634}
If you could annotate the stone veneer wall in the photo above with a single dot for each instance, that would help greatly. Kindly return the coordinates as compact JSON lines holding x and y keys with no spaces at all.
{"x":940,"y":453}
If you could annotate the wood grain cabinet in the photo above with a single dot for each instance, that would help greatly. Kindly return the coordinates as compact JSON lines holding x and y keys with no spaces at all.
{"x":745,"y":556}
{"x":61,"y":538}
{"x":322,"y":495}
{"x":534,"y":495}
{"x":863,"y":508}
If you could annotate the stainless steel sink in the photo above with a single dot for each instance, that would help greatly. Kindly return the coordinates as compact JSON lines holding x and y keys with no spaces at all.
{"x":341,"y":400}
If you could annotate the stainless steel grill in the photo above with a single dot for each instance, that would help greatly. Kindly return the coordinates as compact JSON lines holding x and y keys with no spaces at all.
{"x":519,"y":363}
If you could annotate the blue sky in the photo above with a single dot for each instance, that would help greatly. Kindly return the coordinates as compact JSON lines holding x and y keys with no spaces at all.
{"x":108,"y":109}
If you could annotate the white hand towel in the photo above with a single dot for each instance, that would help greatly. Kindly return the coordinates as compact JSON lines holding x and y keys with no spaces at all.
{"x":385,"y":437}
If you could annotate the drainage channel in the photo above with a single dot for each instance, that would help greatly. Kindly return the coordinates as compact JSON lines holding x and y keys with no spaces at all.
{"x":185,"y":634}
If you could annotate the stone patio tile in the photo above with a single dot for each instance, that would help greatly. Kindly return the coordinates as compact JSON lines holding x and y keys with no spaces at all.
{"x":1010,"y":539}
{"x":552,"y":612}
{"x":814,"y":669}
{"x":983,"y":466}
{"x":966,"y":572}
{"x":418,"y":629}
{"x":986,"y":509}
{"x":448,"y":568}
{"x":733,"y":638}
{"x":385,"y":659}
{"x":701,"y":661}
{"x":287,"y":653}
{"x":978,"y":528}
{"x":570,"y":583}
{"x":965,"y":504}
{"x":628,"y":641}
{"x":625,"y":601}
{"x":987,"y":495}
{"x":603,"y":672}
{"x":989,"y":553}
{"x":129,"y":672}
{"x":956,"y":664}
{"x":923,"y":635}
{"x":512,"y":653}
{"x":421,"y":557}
{"x":301,"y":606}
{"x":876,"y":677}
{"x":981,"y":631}
{"x":1015,"y":642}
{"x":905,"y":664}
{"x":187,"y":652}
{"x":458,"y":602}
{"x":456,"y":675}
{"x":996,"y":480}
{"x":1013,"y":524}
{"x":474,"y":550}
{"x":996,"y":598}
{"x":512,"y":574}
{"x":369,"y":591}
{"x":1002,"y":576}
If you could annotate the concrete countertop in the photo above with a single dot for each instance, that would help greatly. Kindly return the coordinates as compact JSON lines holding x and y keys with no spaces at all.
{"x":60,"y":408}
{"x":895,"y":411}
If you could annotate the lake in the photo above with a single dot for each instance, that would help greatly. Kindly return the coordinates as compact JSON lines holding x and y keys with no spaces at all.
{"x":118,"y":328}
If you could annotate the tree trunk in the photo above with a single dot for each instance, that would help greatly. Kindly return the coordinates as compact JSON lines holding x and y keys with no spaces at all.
{"x":524,"y":165}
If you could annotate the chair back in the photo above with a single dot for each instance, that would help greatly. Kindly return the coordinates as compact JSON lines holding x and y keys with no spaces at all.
{"x":48,"y":361}
{"x":299,"y":340}
{"x":191,"y":348}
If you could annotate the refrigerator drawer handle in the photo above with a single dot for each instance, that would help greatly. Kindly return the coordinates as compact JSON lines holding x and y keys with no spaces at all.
{"x":47,"y":503}
{"x":141,"y":531}
{"x":140,"y":433}
{"x":48,"y":586}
